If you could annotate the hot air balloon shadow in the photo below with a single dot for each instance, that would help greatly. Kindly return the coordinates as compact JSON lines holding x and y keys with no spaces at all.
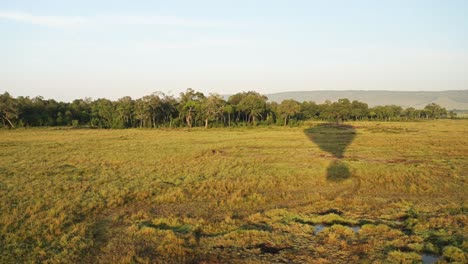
{"x":334,"y":139}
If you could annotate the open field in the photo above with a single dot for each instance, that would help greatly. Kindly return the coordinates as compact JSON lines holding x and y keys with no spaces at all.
{"x":382,"y":192}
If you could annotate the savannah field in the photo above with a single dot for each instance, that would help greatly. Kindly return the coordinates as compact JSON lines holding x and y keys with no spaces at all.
{"x":359,"y":192}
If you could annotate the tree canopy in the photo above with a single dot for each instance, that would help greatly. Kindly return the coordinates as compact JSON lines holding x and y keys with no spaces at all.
{"x":193,"y":108}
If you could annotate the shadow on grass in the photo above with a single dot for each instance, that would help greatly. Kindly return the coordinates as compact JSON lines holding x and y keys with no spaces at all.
{"x":334,"y":139}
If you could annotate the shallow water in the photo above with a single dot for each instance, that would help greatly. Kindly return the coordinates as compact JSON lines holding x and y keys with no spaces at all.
{"x":318,"y":228}
{"x":429,"y":258}
{"x":355,"y":228}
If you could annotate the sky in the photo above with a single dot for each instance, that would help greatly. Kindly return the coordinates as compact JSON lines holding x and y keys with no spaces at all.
{"x":113,"y":48}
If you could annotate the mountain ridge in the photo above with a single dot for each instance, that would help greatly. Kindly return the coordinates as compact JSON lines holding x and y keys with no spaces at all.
{"x":450,"y":99}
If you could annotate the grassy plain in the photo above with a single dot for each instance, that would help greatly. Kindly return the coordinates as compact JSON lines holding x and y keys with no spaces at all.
{"x":242,"y":195}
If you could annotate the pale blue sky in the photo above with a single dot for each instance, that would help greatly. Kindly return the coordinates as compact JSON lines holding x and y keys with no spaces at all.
{"x":74,"y":49}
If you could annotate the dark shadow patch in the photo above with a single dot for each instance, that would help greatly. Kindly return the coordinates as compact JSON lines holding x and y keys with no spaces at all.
{"x":331,"y":211}
{"x":256,"y":226}
{"x":211,"y":152}
{"x":217,"y":151}
{"x":182,"y":229}
{"x":334,"y":139}
{"x":269,"y":248}
{"x":67,"y":168}
{"x":337,"y":171}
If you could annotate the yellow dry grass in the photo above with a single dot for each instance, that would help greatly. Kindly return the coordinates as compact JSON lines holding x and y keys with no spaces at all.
{"x":250,"y":195}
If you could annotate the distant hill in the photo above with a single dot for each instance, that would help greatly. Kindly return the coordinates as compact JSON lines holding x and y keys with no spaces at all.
{"x":455,"y":99}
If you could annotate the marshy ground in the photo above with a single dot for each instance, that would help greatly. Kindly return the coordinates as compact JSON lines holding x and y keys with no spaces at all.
{"x":387,"y":192}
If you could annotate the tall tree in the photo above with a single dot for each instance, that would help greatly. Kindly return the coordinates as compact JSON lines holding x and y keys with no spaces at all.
{"x":103,"y":110}
{"x":358,"y":110}
{"x":309,"y":110}
{"x":435,"y":111}
{"x":288,"y":108}
{"x":340,"y":110}
{"x":254,"y":105}
{"x":212,"y":108}
{"x":228,"y":109}
{"x":169,"y":108}
{"x":125,"y":107}
{"x":8,"y":109}
{"x":190,"y":104}
{"x":155,"y":107}
{"x":142,"y":110}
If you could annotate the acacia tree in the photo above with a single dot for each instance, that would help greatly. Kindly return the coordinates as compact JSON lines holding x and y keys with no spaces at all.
{"x":253,"y":105}
{"x":410,"y":113}
{"x":190,"y":104}
{"x":234,"y":101}
{"x":435,"y":111}
{"x":358,"y":110}
{"x":125,"y":108}
{"x":386,"y":112}
{"x":142,"y":110}
{"x":340,"y":110}
{"x":288,"y":108}
{"x":192,"y":108}
{"x":8,"y":109}
{"x":309,"y":110}
{"x":212,"y":108}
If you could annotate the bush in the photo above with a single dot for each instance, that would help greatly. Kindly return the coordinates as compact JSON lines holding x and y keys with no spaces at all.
{"x":454,"y":254}
{"x":404,"y":257}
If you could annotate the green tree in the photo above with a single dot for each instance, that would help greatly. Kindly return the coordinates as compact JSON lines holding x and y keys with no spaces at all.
{"x":410,"y":113}
{"x":340,"y":110}
{"x":125,"y":108}
{"x":358,"y":110}
{"x":81,"y":110}
{"x":9,"y":110}
{"x":60,"y":120}
{"x":253,"y":105}
{"x":103,"y":109}
{"x":288,"y":108}
{"x":212,"y":108}
{"x":435,"y":111}
{"x":142,"y":111}
{"x":169,"y":109}
{"x":228,"y":109}
{"x":309,"y":110}
{"x":190,"y":105}
{"x":156,"y":106}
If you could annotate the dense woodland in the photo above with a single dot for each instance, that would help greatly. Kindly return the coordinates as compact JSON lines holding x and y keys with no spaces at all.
{"x":195,"y":109}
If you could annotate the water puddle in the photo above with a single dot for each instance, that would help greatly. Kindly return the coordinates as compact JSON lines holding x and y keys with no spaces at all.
{"x":355,"y":228}
{"x":429,"y":258}
{"x":318,"y":228}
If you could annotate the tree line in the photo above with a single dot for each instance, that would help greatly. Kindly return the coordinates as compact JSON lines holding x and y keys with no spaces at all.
{"x":195,"y":109}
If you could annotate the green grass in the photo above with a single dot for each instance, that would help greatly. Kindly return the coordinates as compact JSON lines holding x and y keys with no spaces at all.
{"x":235,"y":195}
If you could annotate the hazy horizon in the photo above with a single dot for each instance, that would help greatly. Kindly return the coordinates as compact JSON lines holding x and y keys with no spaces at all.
{"x":111,"y":49}
{"x":225,"y":95}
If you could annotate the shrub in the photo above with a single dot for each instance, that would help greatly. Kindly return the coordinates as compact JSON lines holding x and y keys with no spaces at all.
{"x":454,"y":254}
{"x":404,"y":257}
